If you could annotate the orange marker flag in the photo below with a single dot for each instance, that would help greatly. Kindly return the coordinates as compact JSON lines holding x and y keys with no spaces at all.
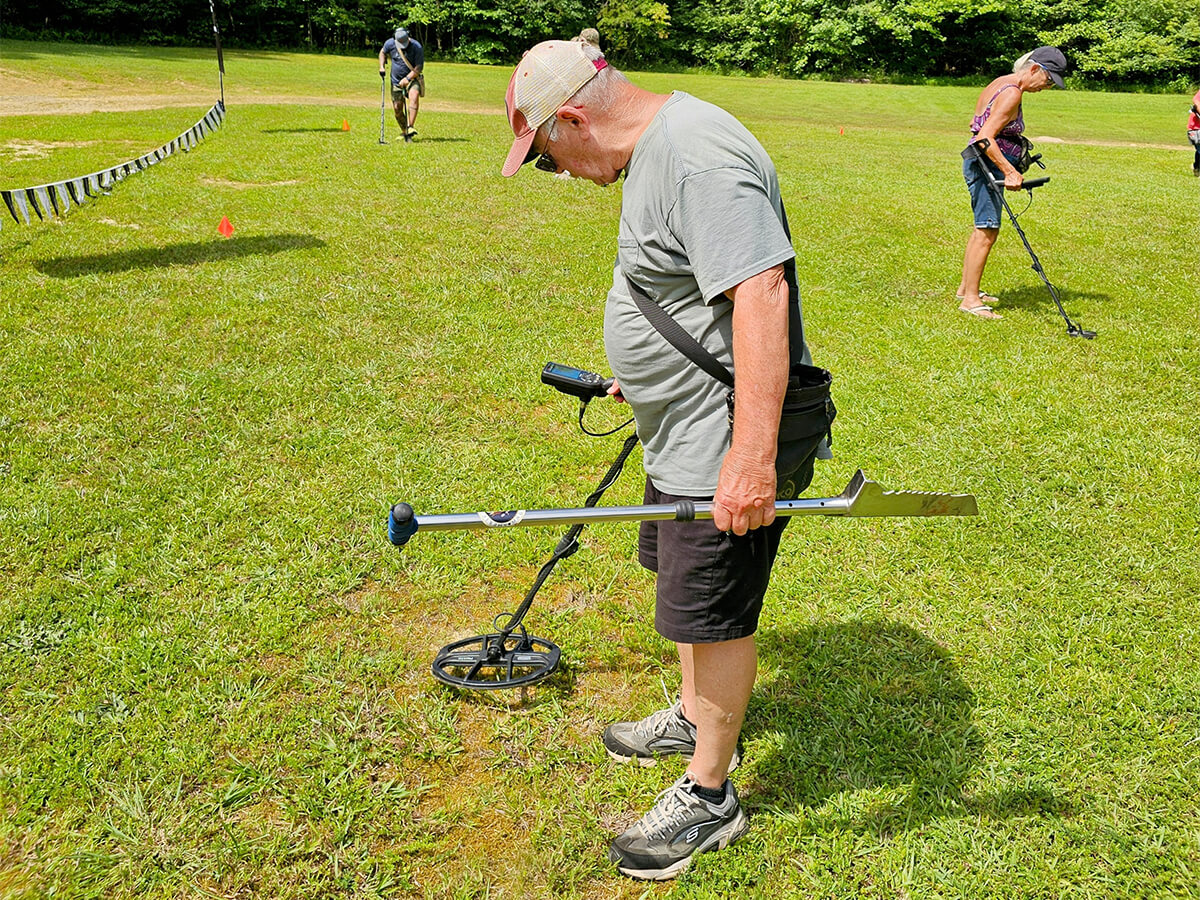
{"x":226,"y":227}
{"x":345,"y":124}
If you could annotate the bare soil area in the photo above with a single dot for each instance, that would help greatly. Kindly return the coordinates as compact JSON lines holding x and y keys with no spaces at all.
{"x":26,"y":97}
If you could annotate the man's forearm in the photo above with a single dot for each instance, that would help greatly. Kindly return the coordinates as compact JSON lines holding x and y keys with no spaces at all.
{"x":760,"y":358}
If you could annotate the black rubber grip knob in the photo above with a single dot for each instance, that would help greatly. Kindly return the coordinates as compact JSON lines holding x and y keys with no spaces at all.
{"x":402,"y":524}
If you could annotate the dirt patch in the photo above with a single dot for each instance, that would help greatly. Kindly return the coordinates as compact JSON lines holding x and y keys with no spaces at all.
{"x":27,"y":98}
{"x":242,"y":185}
{"x":1130,"y":144}
{"x":23,"y":150}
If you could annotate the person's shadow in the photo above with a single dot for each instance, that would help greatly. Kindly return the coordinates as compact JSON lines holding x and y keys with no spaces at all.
{"x":182,"y":254}
{"x":857,"y":706}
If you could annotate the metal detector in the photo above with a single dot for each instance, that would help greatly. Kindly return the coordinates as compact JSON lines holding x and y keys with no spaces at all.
{"x":509,"y":657}
{"x":977,"y":150}
{"x":383,"y":85}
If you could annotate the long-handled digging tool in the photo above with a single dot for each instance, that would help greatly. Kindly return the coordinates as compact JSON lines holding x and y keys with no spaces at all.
{"x":509,"y":657}
{"x":382,"y":105}
{"x":404,"y":116}
{"x":976,"y":151}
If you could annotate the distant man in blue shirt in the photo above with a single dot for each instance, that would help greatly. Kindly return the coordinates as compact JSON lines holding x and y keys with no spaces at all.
{"x":408,"y":59}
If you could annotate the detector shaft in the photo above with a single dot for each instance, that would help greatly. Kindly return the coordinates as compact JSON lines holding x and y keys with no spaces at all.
{"x":861,"y":498}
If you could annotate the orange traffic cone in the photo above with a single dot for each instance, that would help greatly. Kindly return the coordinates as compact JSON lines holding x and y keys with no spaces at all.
{"x":226,"y":227}
{"x":345,"y":124}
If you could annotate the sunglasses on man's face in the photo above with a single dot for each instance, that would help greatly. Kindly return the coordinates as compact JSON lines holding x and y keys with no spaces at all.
{"x":543,"y":161}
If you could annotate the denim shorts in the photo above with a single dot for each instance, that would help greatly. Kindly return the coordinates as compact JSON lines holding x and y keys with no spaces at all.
{"x":710,"y":584}
{"x":984,"y":202}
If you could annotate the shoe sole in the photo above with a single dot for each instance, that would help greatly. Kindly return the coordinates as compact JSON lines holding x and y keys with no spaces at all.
{"x":647,"y":762}
{"x":718,"y":840}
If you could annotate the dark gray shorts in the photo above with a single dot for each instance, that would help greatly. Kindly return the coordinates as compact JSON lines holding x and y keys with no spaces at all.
{"x":710,"y":584}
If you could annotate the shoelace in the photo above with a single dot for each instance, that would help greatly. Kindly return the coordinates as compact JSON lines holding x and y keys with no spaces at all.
{"x":669,"y":810}
{"x":656,"y":724}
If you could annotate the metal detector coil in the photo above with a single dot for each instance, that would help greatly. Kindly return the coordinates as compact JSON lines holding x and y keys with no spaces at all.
{"x":508,"y":657}
{"x":490,"y":662}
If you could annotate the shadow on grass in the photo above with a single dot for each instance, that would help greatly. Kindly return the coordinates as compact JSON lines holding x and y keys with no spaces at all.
{"x":61,"y":47}
{"x":339,"y":130}
{"x":1035,"y":296}
{"x":176,"y":254}
{"x":873,"y":706}
{"x":441,"y":140}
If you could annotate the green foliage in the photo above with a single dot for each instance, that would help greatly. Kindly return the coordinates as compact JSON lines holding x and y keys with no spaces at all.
{"x":631,"y":28}
{"x":494,"y":31}
{"x":1137,"y":40}
{"x":1108,"y":41}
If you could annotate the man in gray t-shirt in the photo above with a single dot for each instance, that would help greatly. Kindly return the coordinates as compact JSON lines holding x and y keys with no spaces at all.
{"x":703,"y":233}
{"x":700,"y":214}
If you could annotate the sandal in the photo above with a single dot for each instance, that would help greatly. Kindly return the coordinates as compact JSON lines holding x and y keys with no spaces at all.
{"x":982,"y":310}
{"x":983,"y":298}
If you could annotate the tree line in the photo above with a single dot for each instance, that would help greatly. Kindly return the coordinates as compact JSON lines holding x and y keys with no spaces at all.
{"x":1109,"y":42}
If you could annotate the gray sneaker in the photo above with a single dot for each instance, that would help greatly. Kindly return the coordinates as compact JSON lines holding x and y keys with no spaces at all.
{"x":662,"y":733}
{"x":681,"y":824}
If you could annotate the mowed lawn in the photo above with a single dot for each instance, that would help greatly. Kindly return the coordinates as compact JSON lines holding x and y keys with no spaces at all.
{"x":214,"y":668}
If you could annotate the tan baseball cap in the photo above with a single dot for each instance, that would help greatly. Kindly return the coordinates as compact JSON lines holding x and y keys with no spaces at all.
{"x":548,"y":75}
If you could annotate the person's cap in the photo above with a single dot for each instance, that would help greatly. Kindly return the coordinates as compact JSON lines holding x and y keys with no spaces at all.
{"x":591,"y":35}
{"x":1052,"y":60}
{"x":547,"y":77}
{"x":401,"y":37}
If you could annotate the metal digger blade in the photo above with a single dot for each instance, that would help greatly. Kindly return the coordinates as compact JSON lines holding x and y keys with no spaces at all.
{"x":860,"y":498}
{"x":868,"y":498}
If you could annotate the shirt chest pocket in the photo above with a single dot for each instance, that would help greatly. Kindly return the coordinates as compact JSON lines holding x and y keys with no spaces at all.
{"x":629,"y":258}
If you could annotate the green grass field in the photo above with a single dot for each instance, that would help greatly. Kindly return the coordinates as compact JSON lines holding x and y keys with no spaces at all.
{"x":214,"y":669}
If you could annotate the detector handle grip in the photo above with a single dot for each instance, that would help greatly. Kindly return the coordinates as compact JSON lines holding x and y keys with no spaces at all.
{"x":1027,"y":184}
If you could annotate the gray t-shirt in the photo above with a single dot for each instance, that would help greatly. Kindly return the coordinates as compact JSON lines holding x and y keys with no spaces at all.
{"x":700,"y":213}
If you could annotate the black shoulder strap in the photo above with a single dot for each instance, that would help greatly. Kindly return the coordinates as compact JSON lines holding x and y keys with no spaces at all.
{"x":665,"y":324}
{"x":400,"y":50}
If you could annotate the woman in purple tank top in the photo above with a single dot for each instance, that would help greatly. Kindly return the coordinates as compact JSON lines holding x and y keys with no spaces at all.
{"x":998,"y":118}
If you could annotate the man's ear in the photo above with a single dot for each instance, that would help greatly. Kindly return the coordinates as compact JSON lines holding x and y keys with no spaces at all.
{"x":575,"y":117}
